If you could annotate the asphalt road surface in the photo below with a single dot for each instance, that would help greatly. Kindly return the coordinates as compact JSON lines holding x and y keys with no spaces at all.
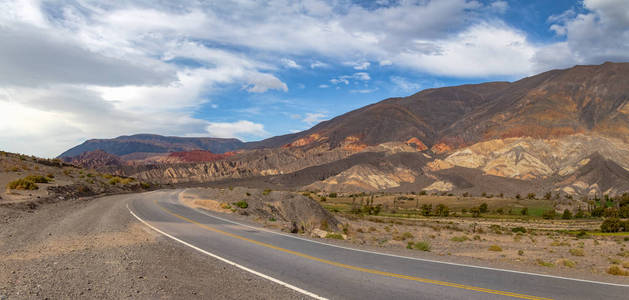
{"x":321,"y":270}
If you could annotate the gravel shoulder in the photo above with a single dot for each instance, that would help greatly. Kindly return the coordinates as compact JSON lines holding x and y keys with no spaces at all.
{"x":94,"y":248}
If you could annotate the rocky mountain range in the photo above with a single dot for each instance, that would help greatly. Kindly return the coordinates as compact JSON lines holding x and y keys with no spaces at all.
{"x":565,"y":131}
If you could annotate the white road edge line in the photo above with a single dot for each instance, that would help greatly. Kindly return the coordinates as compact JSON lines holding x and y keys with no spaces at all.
{"x":412,"y":258}
{"x":288,"y":285}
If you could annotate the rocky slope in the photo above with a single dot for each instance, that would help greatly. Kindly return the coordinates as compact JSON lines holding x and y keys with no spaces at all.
{"x":565,"y":131}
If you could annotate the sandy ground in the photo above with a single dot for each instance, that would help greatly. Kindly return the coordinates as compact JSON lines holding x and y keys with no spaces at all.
{"x":96,"y":249}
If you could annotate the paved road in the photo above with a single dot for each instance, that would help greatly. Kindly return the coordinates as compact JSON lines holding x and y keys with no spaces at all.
{"x":326,"y":271}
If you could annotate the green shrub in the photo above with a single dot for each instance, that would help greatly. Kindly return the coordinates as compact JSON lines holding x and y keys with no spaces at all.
{"x":495,"y":248}
{"x":22,"y":184}
{"x":332,"y":195}
{"x":459,"y":239}
{"x":616,"y":270}
{"x":520,"y":252}
{"x":242,"y":204}
{"x":611,"y":225}
{"x":266,"y":192}
{"x":442,"y":210}
{"x":518,"y":229}
{"x":524,"y":211}
{"x":37,"y":179}
{"x":567,"y":214}
{"x":422,"y":246}
{"x":475,"y":212}
{"x":483,"y":208}
{"x":577,"y":252}
{"x":115,"y":180}
{"x":549,"y":214}
{"x":544,"y":263}
{"x":568,"y":263}
{"x":336,"y":236}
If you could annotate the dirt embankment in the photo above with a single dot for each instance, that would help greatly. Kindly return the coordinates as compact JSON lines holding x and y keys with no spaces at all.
{"x":97,"y":250}
{"x":288,"y":211}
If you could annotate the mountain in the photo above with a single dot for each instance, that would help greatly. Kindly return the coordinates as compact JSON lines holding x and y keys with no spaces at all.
{"x":565,"y":131}
{"x":151,"y":143}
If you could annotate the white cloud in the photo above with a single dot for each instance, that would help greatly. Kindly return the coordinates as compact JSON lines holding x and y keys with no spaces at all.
{"x":385,"y":62}
{"x":324,"y":86}
{"x":499,"y":6}
{"x":318,"y":64}
{"x":361,"y":76}
{"x":237,"y":129}
{"x":362,"y":66}
{"x":314,"y":118}
{"x":599,"y":34}
{"x":404,"y":85}
{"x":364,"y":91}
{"x":289,"y":63}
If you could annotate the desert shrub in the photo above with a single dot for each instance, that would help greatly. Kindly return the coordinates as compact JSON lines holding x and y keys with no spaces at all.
{"x":248,"y":194}
{"x":324,"y":198}
{"x":226,"y":206}
{"x":567,"y":214}
{"x":530,"y":196}
{"x":459,"y":239}
{"x":580,"y":214}
{"x":272,"y":219}
{"x":266,"y":192}
{"x":403,"y":236}
{"x":145,"y":185}
{"x":611,"y":225}
{"x":500,"y":211}
{"x":577,"y":252}
{"x":624,"y":211}
{"x":115,"y":180}
{"x":421,"y":245}
{"x":568,"y":263}
{"x":483,"y":208}
{"x":520,"y":252}
{"x":336,"y":236}
{"x":242,"y":204}
{"x":524,"y":211}
{"x":548,"y":195}
{"x":442,"y":210}
{"x":426,"y":208}
{"x":475,"y":212}
{"x":50,"y":175}
{"x":422,"y":193}
{"x":616,"y":270}
{"x":332,"y":195}
{"x":549,"y":214}
{"x":495,"y":248}
{"x":541,"y":262}
{"x":324,"y":225}
{"x":610,"y":212}
{"x":518,"y":229}
{"x":597,"y":211}
{"x":517,"y":196}
{"x":37,"y":179}
{"x":22,"y":184}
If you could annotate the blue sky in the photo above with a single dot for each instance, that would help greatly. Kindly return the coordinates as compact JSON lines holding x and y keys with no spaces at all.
{"x":254,"y":69}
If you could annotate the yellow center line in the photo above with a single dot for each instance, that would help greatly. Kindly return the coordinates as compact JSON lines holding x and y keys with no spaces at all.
{"x":355,"y":268}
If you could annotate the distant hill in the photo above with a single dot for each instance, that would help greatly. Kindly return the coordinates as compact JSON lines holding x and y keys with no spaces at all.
{"x":151,"y":143}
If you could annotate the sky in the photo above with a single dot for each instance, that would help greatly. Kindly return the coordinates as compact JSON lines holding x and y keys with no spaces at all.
{"x":81,"y":69}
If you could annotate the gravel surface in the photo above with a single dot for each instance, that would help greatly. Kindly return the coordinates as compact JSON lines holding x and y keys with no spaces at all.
{"x":96,"y":249}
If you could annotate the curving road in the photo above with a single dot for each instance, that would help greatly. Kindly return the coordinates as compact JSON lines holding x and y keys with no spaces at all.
{"x":320,"y":270}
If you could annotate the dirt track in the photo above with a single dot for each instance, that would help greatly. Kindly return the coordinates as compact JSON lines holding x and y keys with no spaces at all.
{"x":96,"y":249}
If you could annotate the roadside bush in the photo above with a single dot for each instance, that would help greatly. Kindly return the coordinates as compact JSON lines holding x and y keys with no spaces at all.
{"x":568,"y":263}
{"x":531,"y":196}
{"x":115,"y":180}
{"x":577,"y":252}
{"x":22,"y":184}
{"x":459,"y":239}
{"x":544,"y":263}
{"x":37,"y":179}
{"x":332,"y":195}
{"x":336,"y":236}
{"x":266,"y":192}
{"x":495,"y":248}
{"x":403,"y":236}
{"x":422,"y":246}
{"x":616,"y":270}
{"x":611,"y":225}
{"x":242,"y":204}
{"x":524,"y":211}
